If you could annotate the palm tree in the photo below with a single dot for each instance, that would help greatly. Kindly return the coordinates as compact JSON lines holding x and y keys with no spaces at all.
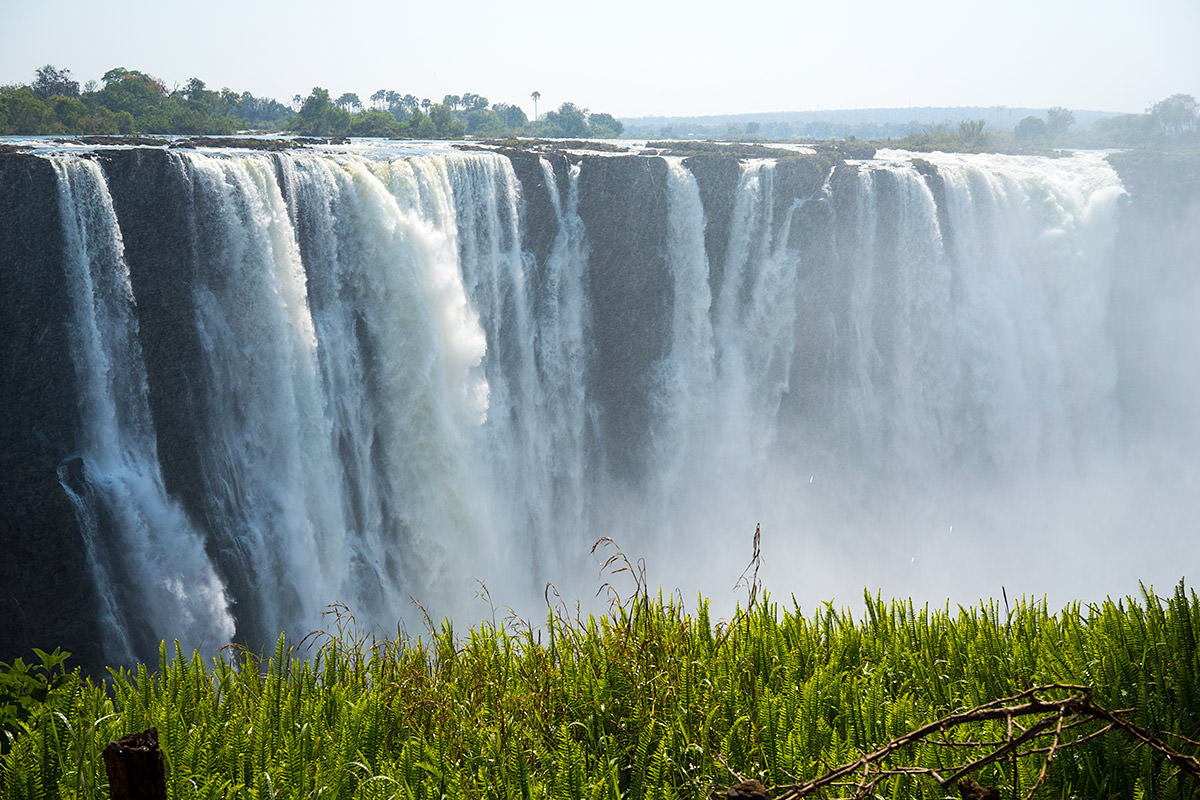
{"x":536,"y":96}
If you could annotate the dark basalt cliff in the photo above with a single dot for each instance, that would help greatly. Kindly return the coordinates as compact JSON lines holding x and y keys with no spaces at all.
{"x":151,"y":198}
{"x":540,"y":222}
{"x":46,"y":595}
{"x":622,"y":202}
{"x":1154,"y":291}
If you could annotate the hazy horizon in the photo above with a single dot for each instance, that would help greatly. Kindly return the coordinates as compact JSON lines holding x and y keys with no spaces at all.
{"x":635,"y":60}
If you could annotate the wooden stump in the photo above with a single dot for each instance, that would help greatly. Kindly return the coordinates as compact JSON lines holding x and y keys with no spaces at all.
{"x":973,"y":790}
{"x":135,"y":767}
{"x":748,"y":790}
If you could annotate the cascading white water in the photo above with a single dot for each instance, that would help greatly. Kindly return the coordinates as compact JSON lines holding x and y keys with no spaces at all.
{"x":971,"y":408}
{"x":342,"y":415}
{"x":909,"y":383}
{"x":155,"y":581}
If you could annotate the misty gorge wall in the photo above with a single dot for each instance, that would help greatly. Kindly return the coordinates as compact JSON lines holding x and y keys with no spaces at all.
{"x":350,"y":379}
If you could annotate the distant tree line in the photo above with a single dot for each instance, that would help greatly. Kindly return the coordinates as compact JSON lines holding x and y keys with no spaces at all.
{"x":391,"y":114}
{"x":126,"y":102}
{"x":1170,"y":122}
{"x":132,"y":102}
{"x":1173,"y":120}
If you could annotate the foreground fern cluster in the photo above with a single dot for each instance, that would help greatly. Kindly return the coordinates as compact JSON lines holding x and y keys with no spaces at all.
{"x":648,"y":701}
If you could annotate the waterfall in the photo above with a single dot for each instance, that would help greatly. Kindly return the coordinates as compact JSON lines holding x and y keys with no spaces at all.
{"x":154,"y":578}
{"x":904,"y":369}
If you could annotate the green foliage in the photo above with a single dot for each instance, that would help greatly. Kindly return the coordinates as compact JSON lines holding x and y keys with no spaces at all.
{"x":1176,"y":115}
{"x":444,"y":123}
{"x":971,"y":132}
{"x":25,"y":689}
{"x":605,"y":126}
{"x":1058,"y":120}
{"x":349,"y":102}
{"x":130,"y":101}
{"x":319,"y":116}
{"x":645,"y":701}
{"x":375,"y":123}
{"x":23,"y":113}
{"x":49,"y":81}
{"x":1030,"y":129}
{"x":485,"y":122}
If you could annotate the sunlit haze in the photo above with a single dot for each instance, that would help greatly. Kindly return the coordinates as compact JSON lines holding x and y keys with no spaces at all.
{"x":635,"y":59}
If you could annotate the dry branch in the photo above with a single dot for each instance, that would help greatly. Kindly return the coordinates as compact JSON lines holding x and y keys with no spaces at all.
{"x":1055,"y":718}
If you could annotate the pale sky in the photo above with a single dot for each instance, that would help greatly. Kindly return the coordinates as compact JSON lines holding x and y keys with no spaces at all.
{"x":635,"y":58}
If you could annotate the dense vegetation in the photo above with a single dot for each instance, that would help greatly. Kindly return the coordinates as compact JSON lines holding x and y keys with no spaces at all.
{"x":134,"y":102}
{"x":646,"y":701}
{"x":131,"y":101}
{"x":1172,"y":122}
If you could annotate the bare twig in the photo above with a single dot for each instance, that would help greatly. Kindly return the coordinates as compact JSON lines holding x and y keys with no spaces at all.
{"x":1055,"y":717}
{"x":749,"y":576}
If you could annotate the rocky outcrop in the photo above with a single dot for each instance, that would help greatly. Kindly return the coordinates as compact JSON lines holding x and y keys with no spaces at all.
{"x":540,"y":221}
{"x":717,"y":180}
{"x":46,"y":594}
{"x":622,"y":202}
{"x":151,"y":198}
{"x":1155,"y":293}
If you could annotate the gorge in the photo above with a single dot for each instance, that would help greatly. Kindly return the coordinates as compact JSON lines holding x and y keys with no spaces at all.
{"x":241,"y":386}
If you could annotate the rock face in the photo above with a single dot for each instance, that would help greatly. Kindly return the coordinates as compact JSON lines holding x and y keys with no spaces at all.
{"x":150,"y":196}
{"x":541,"y":221}
{"x":717,"y":180}
{"x":1156,"y":291}
{"x":46,"y":594}
{"x":622,"y":202}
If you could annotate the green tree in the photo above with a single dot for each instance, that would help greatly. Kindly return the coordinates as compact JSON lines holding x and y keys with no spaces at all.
{"x":375,"y":123}
{"x":485,"y":122}
{"x":261,"y":111}
{"x":1058,"y":120}
{"x":570,"y":120}
{"x":970,"y":131}
{"x":132,"y":91}
{"x":445,"y":124}
{"x":70,"y":112}
{"x":512,"y":116}
{"x":124,"y":122}
{"x":473,"y":102}
{"x":1030,"y":129}
{"x":1124,"y":130}
{"x":195,"y":89}
{"x":49,"y":81}
{"x":536,"y":96}
{"x":605,"y":126}
{"x":1176,"y":115}
{"x":349,"y":102}
{"x":420,"y":126}
{"x":26,"y":115}
{"x":318,"y":116}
